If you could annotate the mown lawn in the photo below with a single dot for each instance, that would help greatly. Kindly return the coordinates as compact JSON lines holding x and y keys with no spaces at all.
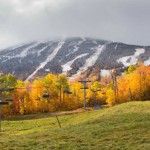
{"x":125,"y":126}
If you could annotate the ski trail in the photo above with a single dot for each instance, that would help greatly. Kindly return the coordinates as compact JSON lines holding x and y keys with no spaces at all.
{"x":133,"y":58}
{"x":91,"y":60}
{"x":105,"y":72}
{"x":39,"y":52}
{"x":76,"y":47}
{"x":66,"y":67}
{"x":25,"y":51}
{"x":116,"y":46}
{"x":147,"y":62}
{"x":48,"y":59}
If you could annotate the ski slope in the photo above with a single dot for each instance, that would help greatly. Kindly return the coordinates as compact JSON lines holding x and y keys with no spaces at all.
{"x":66,"y":67}
{"x":131,"y":60}
{"x":25,"y":51}
{"x":76,"y":47}
{"x":91,"y":60}
{"x":49,"y":58}
{"x":147,"y":62}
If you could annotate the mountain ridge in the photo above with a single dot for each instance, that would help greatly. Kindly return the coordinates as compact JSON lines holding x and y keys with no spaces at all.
{"x":70,"y":56}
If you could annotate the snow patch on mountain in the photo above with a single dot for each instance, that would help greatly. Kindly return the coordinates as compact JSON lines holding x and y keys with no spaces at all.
{"x":116,"y":46}
{"x":76,"y":47}
{"x":105,"y":72}
{"x":147,"y":62}
{"x":47,"y":70}
{"x":66,"y":67}
{"x":91,"y":60}
{"x":40,"y":51}
{"x":49,"y":58}
{"x":25,"y":51}
{"x":131,"y":60}
{"x":94,"y":42}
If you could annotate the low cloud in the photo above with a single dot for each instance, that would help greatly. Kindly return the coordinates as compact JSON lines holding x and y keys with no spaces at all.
{"x":117,"y":20}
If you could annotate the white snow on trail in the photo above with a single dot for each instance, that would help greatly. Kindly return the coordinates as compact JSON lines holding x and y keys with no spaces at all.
{"x":91,"y":60}
{"x":49,"y":59}
{"x":94,"y":42}
{"x":47,"y":70}
{"x":66,"y":67}
{"x":147,"y":62}
{"x":22,"y":54}
{"x":25,"y":51}
{"x":116,"y":46}
{"x":39,"y":52}
{"x":104,"y":72}
{"x":131,"y":60}
{"x":76,"y":47}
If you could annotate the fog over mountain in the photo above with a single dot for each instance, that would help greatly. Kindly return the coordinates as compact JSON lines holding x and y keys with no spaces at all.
{"x":22,"y":21}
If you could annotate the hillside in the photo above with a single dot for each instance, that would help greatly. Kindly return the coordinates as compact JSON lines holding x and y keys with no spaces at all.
{"x":71,"y":56}
{"x":125,"y":126}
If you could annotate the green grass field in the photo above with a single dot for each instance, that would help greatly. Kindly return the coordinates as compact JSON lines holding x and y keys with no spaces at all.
{"x":125,"y":126}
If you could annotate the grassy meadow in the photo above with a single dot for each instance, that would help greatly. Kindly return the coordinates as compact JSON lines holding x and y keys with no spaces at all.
{"x":125,"y":126}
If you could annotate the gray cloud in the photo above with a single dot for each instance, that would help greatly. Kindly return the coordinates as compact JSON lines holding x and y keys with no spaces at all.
{"x":117,"y":20}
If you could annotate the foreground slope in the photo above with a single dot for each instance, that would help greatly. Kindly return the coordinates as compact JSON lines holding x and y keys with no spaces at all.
{"x":125,"y":126}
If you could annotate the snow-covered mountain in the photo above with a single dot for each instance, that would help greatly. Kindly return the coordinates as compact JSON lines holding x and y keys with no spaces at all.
{"x":72,"y":56}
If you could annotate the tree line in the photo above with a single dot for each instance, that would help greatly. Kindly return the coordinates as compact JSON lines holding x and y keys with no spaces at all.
{"x":56,"y":93}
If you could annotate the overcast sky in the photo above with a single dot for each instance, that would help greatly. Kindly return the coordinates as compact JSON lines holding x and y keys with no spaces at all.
{"x":125,"y":21}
